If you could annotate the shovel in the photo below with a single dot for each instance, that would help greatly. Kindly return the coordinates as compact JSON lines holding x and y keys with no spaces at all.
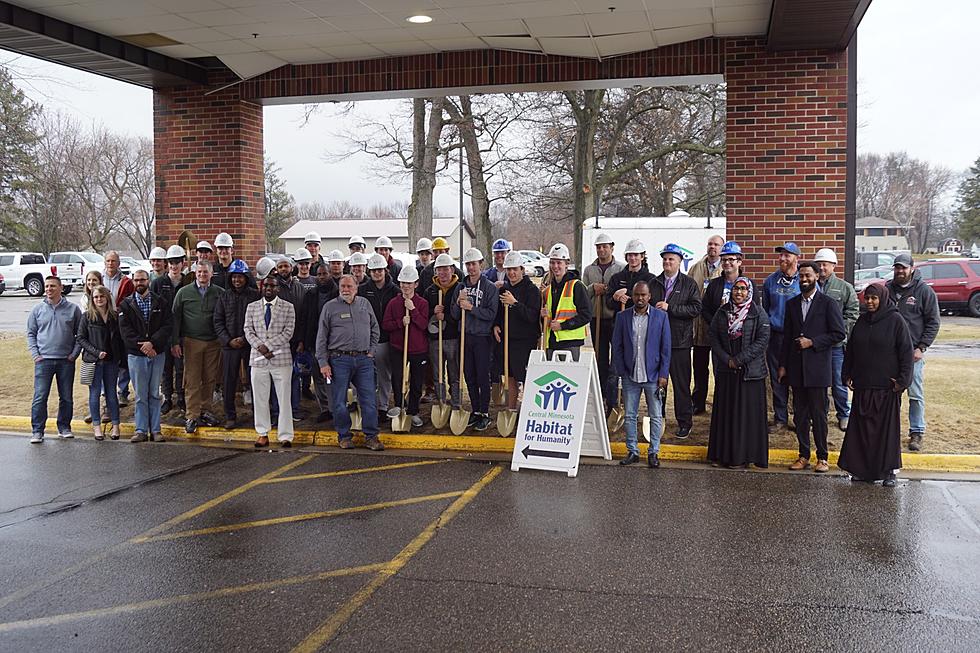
{"x":440,"y":413}
{"x":617,"y":415}
{"x":460,"y":418}
{"x":507,"y":418}
{"x":403,"y":423}
{"x":355,"y":415}
{"x":662,"y":398}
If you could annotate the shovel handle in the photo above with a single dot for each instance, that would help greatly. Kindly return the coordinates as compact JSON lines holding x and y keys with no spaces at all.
{"x":462,"y":343}
{"x":405,"y":361}
{"x":442,"y":379}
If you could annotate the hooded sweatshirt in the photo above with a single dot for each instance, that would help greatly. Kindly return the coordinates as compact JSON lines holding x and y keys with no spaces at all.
{"x":917,"y":303}
{"x":483,"y":294}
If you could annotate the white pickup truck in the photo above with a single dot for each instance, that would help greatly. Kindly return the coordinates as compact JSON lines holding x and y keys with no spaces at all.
{"x":27,"y":270}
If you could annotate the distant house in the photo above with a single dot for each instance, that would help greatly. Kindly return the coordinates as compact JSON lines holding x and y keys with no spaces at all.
{"x":951,"y":247}
{"x":334,"y":234}
{"x":878,"y":234}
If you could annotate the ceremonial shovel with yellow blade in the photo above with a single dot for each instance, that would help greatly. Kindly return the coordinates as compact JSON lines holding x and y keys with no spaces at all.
{"x":403,"y":423}
{"x":460,"y":418}
{"x":618,"y":414}
{"x":440,"y":412}
{"x":506,"y":418}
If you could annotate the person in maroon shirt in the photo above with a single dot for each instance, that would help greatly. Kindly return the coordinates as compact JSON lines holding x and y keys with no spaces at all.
{"x":394,"y":322}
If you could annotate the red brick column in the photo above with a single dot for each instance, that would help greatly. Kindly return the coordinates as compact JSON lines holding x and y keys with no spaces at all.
{"x":209,"y":167}
{"x":786,"y":151}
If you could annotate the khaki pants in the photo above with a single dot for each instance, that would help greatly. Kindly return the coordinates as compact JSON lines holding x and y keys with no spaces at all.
{"x":202,"y":365}
{"x":263,"y":379}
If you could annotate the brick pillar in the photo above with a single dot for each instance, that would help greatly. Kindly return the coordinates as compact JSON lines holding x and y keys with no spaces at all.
{"x":209,"y":167}
{"x":786,"y":151}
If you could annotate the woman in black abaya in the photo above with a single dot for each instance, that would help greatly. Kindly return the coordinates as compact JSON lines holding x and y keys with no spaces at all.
{"x":739,"y":335}
{"x":878,"y":368}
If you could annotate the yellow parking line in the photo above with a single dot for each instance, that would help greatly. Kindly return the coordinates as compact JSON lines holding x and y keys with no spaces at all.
{"x":207,"y":505}
{"x":58,"y":619}
{"x":326,"y":631}
{"x":227,"y":528}
{"x":348,"y":472}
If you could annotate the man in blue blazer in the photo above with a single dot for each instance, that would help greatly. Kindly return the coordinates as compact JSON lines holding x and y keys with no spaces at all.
{"x":641,"y":356}
{"x":812,"y":325}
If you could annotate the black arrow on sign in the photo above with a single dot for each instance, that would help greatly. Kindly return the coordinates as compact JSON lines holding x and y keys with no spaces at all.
{"x":528,"y":452}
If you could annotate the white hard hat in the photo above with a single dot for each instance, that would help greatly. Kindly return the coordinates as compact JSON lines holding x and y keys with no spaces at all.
{"x":604,"y":239}
{"x":383,"y":241}
{"x":335,"y":255}
{"x":635,"y":246}
{"x":559,"y":251}
{"x":357,"y":259}
{"x":264,"y":267}
{"x":223,"y":240}
{"x":376,"y":262}
{"x":176,"y":251}
{"x":444,"y":261}
{"x":312,"y":237}
{"x":157,"y":252}
{"x":423,"y":245}
{"x":408,"y":274}
{"x":356,"y":240}
{"x":472,"y":254}
{"x":302,"y":254}
{"x":204,"y":245}
{"x":513,"y":260}
{"x":825,"y":255}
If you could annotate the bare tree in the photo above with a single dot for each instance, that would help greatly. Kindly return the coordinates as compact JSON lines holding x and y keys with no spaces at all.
{"x":138,"y":218}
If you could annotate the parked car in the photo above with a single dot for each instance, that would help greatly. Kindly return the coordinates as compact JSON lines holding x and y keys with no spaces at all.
{"x":956,"y":283}
{"x":535,"y":263}
{"x":128,"y":265}
{"x":27,"y":270}
{"x":868,"y":260}
{"x":81,"y":263}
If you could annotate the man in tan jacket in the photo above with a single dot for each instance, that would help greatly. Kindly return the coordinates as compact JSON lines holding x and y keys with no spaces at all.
{"x":702,"y":272}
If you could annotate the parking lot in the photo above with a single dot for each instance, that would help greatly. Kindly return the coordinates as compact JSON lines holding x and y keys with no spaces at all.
{"x":189,"y":548}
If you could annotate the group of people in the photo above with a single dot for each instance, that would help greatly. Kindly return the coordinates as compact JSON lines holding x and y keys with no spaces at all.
{"x":312,"y":326}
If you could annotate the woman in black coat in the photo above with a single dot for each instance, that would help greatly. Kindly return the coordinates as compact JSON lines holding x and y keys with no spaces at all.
{"x":739,"y":335}
{"x":102,"y":345}
{"x":878,"y":368}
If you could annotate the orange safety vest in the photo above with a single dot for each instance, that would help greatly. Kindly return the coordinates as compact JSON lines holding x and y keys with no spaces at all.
{"x":566,"y":311}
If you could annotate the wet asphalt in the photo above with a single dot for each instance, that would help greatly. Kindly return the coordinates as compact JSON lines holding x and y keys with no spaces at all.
{"x":672,"y":559}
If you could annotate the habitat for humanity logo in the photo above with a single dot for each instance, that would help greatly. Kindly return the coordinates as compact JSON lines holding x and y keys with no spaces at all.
{"x":555,"y":391}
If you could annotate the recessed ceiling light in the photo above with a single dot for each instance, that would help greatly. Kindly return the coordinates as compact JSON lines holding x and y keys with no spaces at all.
{"x":419,"y":19}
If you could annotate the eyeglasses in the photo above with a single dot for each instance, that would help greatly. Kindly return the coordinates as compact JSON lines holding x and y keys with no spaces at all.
{"x":728,"y":259}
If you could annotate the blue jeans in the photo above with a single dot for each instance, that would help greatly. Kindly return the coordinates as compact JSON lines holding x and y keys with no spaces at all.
{"x":44,"y":372}
{"x":146,"y":375}
{"x":780,"y":392}
{"x":123,"y":382}
{"x":631,"y":403}
{"x":106,"y":375}
{"x":917,"y":399}
{"x":838,"y":389}
{"x":360,"y":371}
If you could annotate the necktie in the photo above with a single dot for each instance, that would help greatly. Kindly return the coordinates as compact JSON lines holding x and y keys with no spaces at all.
{"x":268,"y":315}
{"x":670,"y":285}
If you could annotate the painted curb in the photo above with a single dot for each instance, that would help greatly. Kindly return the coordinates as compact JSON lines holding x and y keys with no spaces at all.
{"x":927,"y":462}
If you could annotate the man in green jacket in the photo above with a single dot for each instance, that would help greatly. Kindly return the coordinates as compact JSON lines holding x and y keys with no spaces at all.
{"x":842,"y":293}
{"x":195,"y":341}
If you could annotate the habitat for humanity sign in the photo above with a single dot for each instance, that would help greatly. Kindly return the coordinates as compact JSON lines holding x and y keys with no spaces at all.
{"x":561,"y":410}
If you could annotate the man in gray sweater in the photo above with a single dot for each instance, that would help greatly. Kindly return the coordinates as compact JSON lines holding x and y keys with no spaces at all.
{"x":51,"y":328}
{"x":596,"y":278}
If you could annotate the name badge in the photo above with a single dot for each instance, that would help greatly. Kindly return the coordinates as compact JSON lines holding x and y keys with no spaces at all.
{"x":345,"y":315}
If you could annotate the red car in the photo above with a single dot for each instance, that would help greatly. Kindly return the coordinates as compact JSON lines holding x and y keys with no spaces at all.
{"x":955,"y":281}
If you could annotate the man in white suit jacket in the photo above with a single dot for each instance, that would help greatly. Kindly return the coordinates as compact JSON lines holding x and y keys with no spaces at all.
{"x":269,"y":324}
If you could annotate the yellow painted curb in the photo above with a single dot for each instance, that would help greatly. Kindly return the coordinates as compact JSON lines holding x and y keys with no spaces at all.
{"x":927,"y":462}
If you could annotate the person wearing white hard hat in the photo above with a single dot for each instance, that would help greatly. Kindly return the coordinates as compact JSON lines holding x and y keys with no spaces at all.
{"x":383,"y":247}
{"x":702,"y":272}
{"x":224,"y":248}
{"x":311,"y":242}
{"x":423,"y":252}
{"x":204,"y":252}
{"x":680,"y":297}
{"x":423,"y":249}
{"x":566,"y":306}
{"x":335,"y":264}
{"x":597,"y":276}
{"x":439,"y":296}
{"x":479,"y":298}
{"x":166,"y":287}
{"x":619,"y":294}
{"x":408,"y":309}
{"x":521,"y":297}
{"x":379,"y":289}
{"x":356,"y":244}
{"x":846,"y":298}
{"x":304,"y":261}
{"x":158,"y":262}
{"x":356,"y":266}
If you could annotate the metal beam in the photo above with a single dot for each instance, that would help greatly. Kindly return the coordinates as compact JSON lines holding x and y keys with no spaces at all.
{"x":36,"y":35}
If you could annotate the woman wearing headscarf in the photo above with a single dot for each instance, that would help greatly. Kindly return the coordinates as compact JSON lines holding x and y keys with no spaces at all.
{"x":878,"y":368}
{"x":739,"y":335}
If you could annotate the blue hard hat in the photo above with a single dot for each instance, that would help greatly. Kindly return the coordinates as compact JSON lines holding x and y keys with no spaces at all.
{"x":671,"y":248}
{"x":501,"y":245}
{"x":238,"y":266}
{"x":731,"y":247}
{"x":791,"y":248}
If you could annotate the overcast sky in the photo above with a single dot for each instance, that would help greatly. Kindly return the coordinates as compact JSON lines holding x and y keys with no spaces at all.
{"x":916,"y":83}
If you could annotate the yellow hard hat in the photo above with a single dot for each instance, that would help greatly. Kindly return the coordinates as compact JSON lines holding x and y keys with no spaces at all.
{"x":440,"y":243}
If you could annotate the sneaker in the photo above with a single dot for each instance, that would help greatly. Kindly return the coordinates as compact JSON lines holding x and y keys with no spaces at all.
{"x":890,"y":480}
{"x":123,"y":399}
{"x":482,"y":423}
{"x":247,"y":397}
{"x":776,"y":427}
{"x":374,"y":444}
{"x":37,"y":438}
{"x":345,"y":443}
{"x":394,"y":412}
{"x":208,"y":419}
{"x":67,"y":435}
{"x":915,"y":441}
{"x":190,"y":426}
{"x":417,"y":421}
{"x":842,"y":423}
{"x":158,"y":437}
{"x":139,"y":436}
{"x":166,"y":406}
{"x":821,"y":467}
{"x":474,"y":418}
{"x":230,"y":424}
